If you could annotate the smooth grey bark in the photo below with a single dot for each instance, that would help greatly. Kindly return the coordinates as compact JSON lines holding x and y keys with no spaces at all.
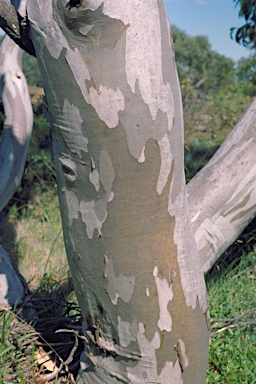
{"x":222,"y":196}
{"x":117,"y":134}
{"x":18,"y":117}
{"x":13,"y":152}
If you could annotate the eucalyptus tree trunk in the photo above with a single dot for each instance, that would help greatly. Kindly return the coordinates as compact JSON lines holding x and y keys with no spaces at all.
{"x":18,"y":116}
{"x":13,"y":152}
{"x":117,"y":136}
{"x":222,"y":196}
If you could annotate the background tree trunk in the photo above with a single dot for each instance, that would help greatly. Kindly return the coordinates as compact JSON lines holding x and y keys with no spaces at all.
{"x":13,"y":152}
{"x":222,"y":196}
{"x":114,"y":101}
{"x":18,"y":116}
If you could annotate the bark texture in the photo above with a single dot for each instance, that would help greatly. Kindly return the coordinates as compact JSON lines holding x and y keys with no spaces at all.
{"x":13,"y":152}
{"x":14,"y":290}
{"x":222,"y":196}
{"x":16,"y":25}
{"x":18,"y":117}
{"x":117,"y":133}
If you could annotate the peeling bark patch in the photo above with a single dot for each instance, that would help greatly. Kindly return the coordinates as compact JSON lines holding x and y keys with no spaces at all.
{"x":69,"y":168}
{"x":181,"y":351}
{"x":106,"y":101}
{"x":120,"y":286}
{"x":192,"y":279}
{"x":144,"y":53}
{"x":55,"y":41}
{"x":73,"y":206}
{"x":94,"y":176}
{"x":80,"y":71}
{"x":107,"y":104}
{"x":94,"y":212}
{"x":73,"y":134}
{"x":165,"y":295}
{"x":166,"y":163}
{"x":127,"y":331}
{"x":142,"y":158}
{"x":147,"y":365}
{"x":107,"y":173}
{"x":90,"y":218}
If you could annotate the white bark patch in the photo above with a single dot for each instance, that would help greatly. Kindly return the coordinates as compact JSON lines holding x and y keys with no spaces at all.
{"x":127,"y":332}
{"x":4,"y":289}
{"x":14,"y":82}
{"x":107,"y":104}
{"x":145,"y":370}
{"x":9,"y":77}
{"x":144,"y":53}
{"x":192,"y":280}
{"x":90,"y":218}
{"x":75,"y":140}
{"x":47,"y":26}
{"x":106,"y":101}
{"x":213,"y":232}
{"x":166,"y":163}
{"x":73,"y":205}
{"x":94,"y":212}
{"x":12,"y":291}
{"x":244,"y":145}
{"x":181,"y":351}
{"x":111,"y":196}
{"x":245,"y":184}
{"x":141,"y":159}
{"x":120,"y":286}
{"x":94,"y":176}
{"x":80,"y":71}
{"x":165,"y":295}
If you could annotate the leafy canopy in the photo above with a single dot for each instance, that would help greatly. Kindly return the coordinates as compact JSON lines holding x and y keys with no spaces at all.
{"x":246,"y":34}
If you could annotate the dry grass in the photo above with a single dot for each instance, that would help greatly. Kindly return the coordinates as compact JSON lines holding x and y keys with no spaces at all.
{"x":33,"y":238}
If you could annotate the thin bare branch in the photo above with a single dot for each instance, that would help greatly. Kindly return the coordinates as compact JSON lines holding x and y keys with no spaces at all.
{"x":243,"y":324}
{"x":16,"y":26}
{"x":235,"y":318}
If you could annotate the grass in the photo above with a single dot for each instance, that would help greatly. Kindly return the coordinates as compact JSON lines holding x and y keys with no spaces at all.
{"x":33,"y":235}
{"x":233,"y":343}
{"x":17,"y":352}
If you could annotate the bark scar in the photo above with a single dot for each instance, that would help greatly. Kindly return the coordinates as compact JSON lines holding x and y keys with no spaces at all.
{"x":181,"y":351}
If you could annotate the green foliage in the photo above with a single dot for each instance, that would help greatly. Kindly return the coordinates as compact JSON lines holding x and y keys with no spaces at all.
{"x":246,"y":34}
{"x":215,"y":93}
{"x":31,"y":70}
{"x":204,"y":69}
{"x":246,"y":75}
{"x":232,"y":348}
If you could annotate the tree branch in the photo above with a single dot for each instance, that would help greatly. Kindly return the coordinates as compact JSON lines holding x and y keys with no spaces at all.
{"x":16,"y":26}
